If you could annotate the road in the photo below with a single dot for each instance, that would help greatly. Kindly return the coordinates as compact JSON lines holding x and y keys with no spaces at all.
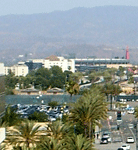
{"x":118,"y":136}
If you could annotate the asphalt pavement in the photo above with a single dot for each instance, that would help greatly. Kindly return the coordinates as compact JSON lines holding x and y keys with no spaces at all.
{"x":120,"y":135}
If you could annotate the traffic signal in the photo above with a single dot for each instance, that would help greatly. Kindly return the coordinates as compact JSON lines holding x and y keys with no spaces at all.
{"x":119,"y":115}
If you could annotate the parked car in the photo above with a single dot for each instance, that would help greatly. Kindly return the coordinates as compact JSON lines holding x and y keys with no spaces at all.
{"x":126,"y":146}
{"x":130,"y":140}
{"x":104,"y":141}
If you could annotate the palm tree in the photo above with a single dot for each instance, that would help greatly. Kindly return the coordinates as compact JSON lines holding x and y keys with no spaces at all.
{"x":72,"y":88}
{"x":77,"y":142}
{"x":89,"y":110}
{"x":75,"y":77}
{"x":93,"y":77}
{"x":49,"y":143}
{"x":10,"y":117}
{"x":58,"y":130}
{"x":25,"y":133}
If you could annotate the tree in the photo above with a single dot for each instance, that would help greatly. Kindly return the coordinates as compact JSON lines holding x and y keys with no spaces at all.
{"x":92,"y":77}
{"x":25,"y":134}
{"x":136,"y":112}
{"x":75,"y":77}
{"x":57,"y":77}
{"x":49,"y":143}
{"x":43,"y":78}
{"x":78,"y":142}
{"x":72,"y":88}
{"x":10,"y":80}
{"x":111,"y":90}
{"x":38,"y":116}
{"x":10,"y":117}
{"x":53,"y":104}
{"x":89,"y":110}
{"x":121,"y":72}
{"x":58,"y":130}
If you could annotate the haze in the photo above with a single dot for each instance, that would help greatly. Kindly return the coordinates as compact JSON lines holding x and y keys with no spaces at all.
{"x":45,"y":6}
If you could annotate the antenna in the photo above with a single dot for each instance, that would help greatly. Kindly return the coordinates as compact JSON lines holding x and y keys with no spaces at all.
{"x":127,"y":52}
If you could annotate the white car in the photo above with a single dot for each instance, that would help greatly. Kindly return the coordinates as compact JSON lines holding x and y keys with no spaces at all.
{"x":106,"y":135}
{"x":130,"y":140}
{"x":126,"y":146}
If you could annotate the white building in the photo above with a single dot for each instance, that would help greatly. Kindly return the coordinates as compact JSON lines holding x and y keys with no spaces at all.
{"x":18,"y":70}
{"x":65,"y":64}
{"x":2,"y":69}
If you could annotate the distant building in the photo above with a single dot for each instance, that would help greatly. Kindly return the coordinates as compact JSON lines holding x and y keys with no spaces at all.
{"x":54,"y":91}
{"x":65,"y":64}
{"x":28,"y":91}
{"x":33,"y":65}
{"x":19,"y":70}
{"x":2,"y":69}
{"x":100,"y":63}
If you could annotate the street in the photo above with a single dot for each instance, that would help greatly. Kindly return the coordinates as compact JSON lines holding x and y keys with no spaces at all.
{"x":126,"y":129}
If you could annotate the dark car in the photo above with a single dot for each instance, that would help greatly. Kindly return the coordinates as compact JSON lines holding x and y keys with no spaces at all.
{"x":120,"y":149}
{"x":104,"y":141}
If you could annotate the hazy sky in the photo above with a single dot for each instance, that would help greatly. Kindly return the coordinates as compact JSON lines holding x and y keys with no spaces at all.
{"x":45,"y":6}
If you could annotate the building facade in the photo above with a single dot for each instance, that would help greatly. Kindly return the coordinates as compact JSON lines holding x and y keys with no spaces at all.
{"x":65,"y":64}
{"x":2,"y":69}
{"x":100,"y":63}
{"x":18,"y":70}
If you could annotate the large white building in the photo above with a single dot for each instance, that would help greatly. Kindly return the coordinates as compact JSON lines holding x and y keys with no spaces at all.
{"x":2,"y":69}
{"x":65,"y":64}
{"x":19,"y":70}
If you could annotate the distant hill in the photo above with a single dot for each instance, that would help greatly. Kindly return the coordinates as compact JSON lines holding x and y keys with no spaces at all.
{"x":84,"y":31}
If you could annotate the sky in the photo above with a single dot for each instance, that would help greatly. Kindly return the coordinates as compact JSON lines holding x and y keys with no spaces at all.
{"x":45,"y":6}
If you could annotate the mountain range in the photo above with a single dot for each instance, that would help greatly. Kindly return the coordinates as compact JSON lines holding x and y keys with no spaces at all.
{"x":98,"y":32}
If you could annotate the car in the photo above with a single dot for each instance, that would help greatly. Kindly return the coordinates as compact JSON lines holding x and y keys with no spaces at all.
{"x":126,"y":146}
{"x":106,"y":135}
{"x":104,"y":141}
{"x":130,"y":140}
{"x":120,"y":148}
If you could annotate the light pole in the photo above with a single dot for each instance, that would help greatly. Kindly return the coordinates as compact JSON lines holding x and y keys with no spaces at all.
{"x":137,"y":134}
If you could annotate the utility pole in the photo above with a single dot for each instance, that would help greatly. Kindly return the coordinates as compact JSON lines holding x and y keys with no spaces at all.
{"x":137,"y":135}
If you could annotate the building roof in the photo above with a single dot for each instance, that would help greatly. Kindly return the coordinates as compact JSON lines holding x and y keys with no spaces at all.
{"x":53,"y":58}
{"x":58,"y":90}
{"x":29,"y":90}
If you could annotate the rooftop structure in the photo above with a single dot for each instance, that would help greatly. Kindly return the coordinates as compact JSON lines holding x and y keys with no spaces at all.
{"x":100,"y":63}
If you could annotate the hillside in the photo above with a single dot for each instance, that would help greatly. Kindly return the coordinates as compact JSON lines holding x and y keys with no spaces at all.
{"x":94,"y":31}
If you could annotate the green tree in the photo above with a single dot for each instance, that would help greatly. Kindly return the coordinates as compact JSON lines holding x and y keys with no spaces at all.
{"x":53,"y":104}
{"x":10,"y":117}
{"x":93,"y":77}
{"x":10,"y":80}
{"x":78,"y":142}
{"x":58,"y":130}
{"x":42,"y":78}
{"x":75,"y":77}
{"x":57,"y":77}
{"x":49,"y":143}
{"x":38,"y":116}
{"x":136,"y":112}
{"x":89,"y":110}
{"x":26,"y":134}
{"x":72,"y":88}
{"x":121,"y":72}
